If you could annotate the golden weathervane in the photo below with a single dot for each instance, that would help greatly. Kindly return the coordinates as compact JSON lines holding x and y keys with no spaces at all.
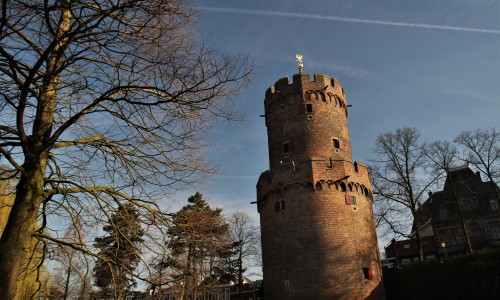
{"x":299,"y":62}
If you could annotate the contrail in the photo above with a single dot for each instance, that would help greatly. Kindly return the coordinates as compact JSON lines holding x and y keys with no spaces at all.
{"x":342,"y":19}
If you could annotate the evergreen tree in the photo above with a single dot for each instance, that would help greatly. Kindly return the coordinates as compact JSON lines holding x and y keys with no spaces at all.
{"x":101,"y":100}
{"x":119,"y":252}
{"x":200,"y":247}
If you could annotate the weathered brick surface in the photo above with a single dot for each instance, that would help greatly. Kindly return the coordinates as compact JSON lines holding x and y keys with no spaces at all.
{"x":317,"y":246}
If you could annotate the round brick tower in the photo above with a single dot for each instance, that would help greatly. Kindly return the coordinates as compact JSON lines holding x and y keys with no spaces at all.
{"x":315,"y":202}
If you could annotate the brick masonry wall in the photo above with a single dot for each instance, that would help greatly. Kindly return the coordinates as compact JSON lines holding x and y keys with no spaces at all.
{"x":314,"y":243}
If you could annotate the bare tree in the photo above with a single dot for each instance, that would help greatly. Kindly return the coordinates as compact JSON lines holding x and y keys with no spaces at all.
{"x":73,"y":276}
{"x":441,"y":157}
{"x":482,"y":150}
{"x":246,"y":239}
{"x":399,"y":182}
{"x":102,"y":102}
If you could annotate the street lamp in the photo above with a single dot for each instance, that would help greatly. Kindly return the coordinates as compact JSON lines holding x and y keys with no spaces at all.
{"x":443,"y":245}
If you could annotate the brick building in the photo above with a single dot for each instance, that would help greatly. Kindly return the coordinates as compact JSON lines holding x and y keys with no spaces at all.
{"x":315,"y":202}
{"x":406,"y":252}
{"x":465,"y":201}
{"x":464,"y":194}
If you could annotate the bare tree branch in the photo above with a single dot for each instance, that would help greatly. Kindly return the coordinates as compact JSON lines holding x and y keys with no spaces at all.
{"x":104,"y":102}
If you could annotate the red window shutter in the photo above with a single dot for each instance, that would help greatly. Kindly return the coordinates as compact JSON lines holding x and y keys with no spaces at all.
{"x":341,"y":145}
{"x":302,"y":109}
{"x":291,"y":145}
{"x":348,"y":199}
{"x":370,"y":274}
{"x":276,"y":206}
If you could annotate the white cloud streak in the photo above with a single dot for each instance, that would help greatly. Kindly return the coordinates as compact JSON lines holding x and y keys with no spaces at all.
{"x":343,"y":19}
{"x":313,"y":64}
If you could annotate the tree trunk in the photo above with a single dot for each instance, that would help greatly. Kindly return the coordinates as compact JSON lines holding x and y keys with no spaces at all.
{"x":15,"y":241}
{"x":418,"y":239}
{"x":66,"y":286}
{"x":240,"y":274}
{"x":460,"y":215}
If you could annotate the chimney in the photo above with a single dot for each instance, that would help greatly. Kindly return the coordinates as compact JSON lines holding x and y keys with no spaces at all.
{"x":478,"y":175}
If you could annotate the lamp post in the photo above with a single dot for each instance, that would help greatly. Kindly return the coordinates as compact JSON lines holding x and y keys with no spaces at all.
{"x":443,"y":245}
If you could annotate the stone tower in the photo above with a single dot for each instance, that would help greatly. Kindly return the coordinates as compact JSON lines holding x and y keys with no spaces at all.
{"x":315,"y":202}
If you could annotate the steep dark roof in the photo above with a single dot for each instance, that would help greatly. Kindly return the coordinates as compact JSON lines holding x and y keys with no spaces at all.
{"x":463,"y":184}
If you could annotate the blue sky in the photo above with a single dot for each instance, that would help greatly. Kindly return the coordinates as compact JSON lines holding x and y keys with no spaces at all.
{"x":429,"y":64}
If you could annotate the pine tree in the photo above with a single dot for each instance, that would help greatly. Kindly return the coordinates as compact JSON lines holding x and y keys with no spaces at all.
{"x":199,"y":247}
{"x":119,"y":252}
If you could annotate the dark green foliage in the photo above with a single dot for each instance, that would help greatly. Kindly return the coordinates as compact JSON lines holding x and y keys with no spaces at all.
{"x":200,"y":245}
{"x":469,"y":277}
{"x":119,"y":251}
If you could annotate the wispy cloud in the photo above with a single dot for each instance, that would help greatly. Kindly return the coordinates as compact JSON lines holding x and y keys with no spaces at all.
{"x":354,"y":72}
{"x":469,"y":95}
{"x":343,"y":19}
{"x":326,"y":67}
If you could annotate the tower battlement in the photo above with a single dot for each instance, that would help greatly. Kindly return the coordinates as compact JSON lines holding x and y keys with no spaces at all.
{"x":306,"y":118}
{"x":299,"y":80}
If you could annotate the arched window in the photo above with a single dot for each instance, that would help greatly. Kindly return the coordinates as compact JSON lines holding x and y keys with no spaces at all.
{"x":343,"y":187}
{"x":307,"y":96}
{"x":331,"y":97}
{"x":322,"y":96}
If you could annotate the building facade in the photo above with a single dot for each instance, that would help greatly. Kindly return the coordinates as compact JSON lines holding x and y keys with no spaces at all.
{"x":465,"y":203}
{"x":315,"y":202}
{"x":466,"y":211}
{"x":406,"y":252}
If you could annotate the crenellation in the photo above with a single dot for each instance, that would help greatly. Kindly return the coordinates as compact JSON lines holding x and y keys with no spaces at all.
{"x":299,"y":81}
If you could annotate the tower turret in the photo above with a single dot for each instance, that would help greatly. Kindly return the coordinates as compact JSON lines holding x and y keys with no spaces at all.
{"x":315,"y":202}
